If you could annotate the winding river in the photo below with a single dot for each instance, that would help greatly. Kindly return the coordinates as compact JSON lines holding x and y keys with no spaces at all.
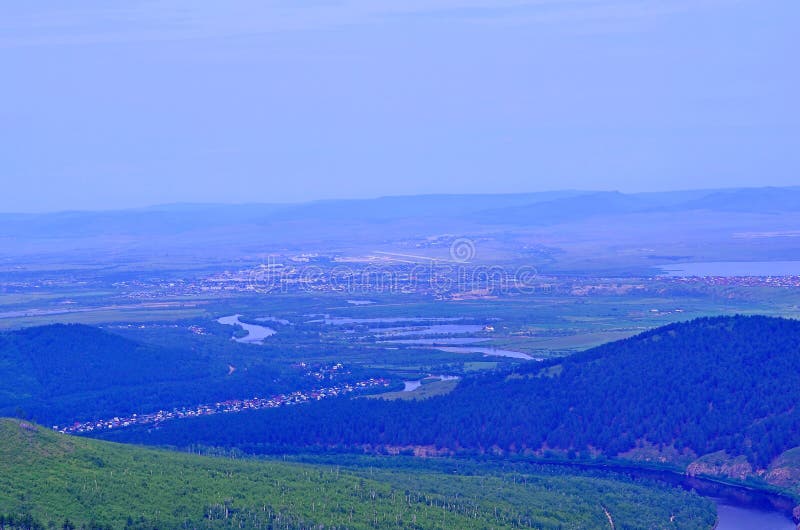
{"x":255,"y":334}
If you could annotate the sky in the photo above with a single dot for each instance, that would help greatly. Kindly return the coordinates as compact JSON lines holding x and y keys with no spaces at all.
{"x":110,"y":105}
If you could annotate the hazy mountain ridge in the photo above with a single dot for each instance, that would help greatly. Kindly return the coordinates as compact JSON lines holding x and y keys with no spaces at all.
{"x":587,"y":229}
{"x":593,"y":205}
{"x":549,"y":206}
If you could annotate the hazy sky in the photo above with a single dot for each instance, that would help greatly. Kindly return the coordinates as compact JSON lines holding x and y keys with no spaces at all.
{"x":109,"y":104}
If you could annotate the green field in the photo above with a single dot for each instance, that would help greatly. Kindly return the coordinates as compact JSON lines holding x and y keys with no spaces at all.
{"x":542,"y":325}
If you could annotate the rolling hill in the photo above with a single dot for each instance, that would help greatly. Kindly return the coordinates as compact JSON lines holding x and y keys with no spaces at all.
{"x":584,"y":227}
{"x":44,"y":369}
{"x":53,"y":480}
{"x":59,"y":372}
{"x":716,"y":395}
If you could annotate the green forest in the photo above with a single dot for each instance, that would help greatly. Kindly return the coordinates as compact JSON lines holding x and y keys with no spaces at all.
{"x":50,"y":480}
{"x":691,"y":388}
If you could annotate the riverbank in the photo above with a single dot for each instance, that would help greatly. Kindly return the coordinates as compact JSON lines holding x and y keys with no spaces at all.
{"x":739,"y":506}
{"x":742,"y":501}
{"x":623,"y":464}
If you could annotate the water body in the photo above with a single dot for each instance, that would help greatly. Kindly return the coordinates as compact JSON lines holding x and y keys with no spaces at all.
{"x":734,"y":268}
{"x":255,"y":334}
{"x":735,"y":517}
{"x":437,"y":329}
{"x":738,"y":508}
{"x":488,"y":352}
{"x":438,"y":341}
{"x":742,"y":508}
{"x":340,"y":321}
{"x":410,"y":386}
{"x":360,"y":302}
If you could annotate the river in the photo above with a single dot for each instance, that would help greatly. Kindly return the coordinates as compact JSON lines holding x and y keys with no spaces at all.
{"x":744,"y":509}
{"x":341,"y":321}
{"x":423,"y":331}
{"x":733,"y":517}
{"x":410,"y":386}
{"x":488,"y":352}
{"x":255,"y":334}
{"x":738,"y":508}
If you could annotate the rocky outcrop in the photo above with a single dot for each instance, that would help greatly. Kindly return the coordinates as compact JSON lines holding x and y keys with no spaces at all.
{"x":423,"y":451}
{"x":784,"y":477}
{"x":784,"y":471}
{"x":659,"y":454}
{"x":719,"y":464}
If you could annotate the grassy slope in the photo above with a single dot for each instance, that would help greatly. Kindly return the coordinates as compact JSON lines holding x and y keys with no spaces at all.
{"x":54,"y":477}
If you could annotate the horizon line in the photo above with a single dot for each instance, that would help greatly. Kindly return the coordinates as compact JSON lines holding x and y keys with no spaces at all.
{"x":203,"y":204}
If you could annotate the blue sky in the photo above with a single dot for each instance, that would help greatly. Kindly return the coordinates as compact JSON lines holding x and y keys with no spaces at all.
{"x":118,"y":104}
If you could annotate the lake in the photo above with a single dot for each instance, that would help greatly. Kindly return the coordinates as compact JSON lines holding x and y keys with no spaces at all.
{"x":734,"y":268}
{"x":255,"y":334}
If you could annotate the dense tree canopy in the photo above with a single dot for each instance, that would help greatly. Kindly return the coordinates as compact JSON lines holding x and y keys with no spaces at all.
{"x":49,"y":480}
{"x":63,"y":373}
{"x":725,"y":383}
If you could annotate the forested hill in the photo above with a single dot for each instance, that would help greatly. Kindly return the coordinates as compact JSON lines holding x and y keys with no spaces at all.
{"x":66,"y":358}
{"x":68,"y":371}
{"x":51,"y":480}
{"x":677,"y":392}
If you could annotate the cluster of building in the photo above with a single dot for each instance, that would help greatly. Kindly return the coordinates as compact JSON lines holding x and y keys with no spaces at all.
{"x":233,"y":405}
{"x":322,"y":372}
{"x":388,"y":274}
{"x":198,"y":330}
{"x":311,"y":273}
{"x":741,"y":281}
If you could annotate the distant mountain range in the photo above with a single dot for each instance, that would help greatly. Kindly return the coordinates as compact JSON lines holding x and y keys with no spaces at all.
{"x":576,"y":226}
{"x":540,"y":207}
{"x":592,"y":205}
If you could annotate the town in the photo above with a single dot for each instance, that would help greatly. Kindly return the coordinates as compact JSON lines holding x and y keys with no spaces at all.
{"x":233,"y":405}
